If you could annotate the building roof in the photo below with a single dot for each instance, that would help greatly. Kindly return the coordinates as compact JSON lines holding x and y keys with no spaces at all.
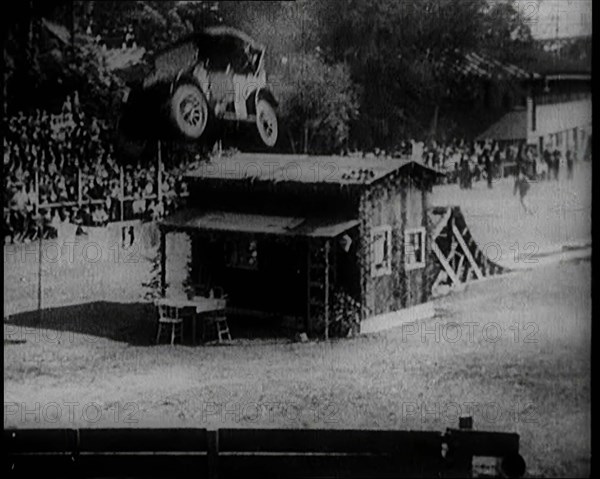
{"x":224,"y":221}
{"x":343,"y":170}
{"x":512,"y":126}
{"x":484,"y":66}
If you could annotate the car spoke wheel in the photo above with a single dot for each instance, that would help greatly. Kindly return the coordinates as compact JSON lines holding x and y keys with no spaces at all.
{"x":266,"y":122}
{"x":189,"y":110}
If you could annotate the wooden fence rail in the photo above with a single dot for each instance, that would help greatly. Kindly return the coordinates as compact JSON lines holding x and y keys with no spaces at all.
{"x":228,"y":453}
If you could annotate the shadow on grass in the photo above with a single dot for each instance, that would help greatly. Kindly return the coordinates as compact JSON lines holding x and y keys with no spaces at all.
{"x":133,"y":323}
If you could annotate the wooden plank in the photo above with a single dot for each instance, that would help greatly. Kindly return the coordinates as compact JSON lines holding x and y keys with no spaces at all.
{"x":325,"y":441}
{"x":467,"y":252}
{"x":445,"y":264}
{"x":226,"y":452}
{"x":333,"y":466}
{"x":483,"y":443}
{"x":105,"y":440}
{"x":143,"y":440}
{"x":459,"y":268}
{"x":441,"y":224}
{"x":437,"y":281}
{"x":42,"y":440}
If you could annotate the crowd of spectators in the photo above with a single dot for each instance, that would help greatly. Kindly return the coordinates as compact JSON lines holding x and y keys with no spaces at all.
{"x":467,"y":162}
{"x":70,"y":158}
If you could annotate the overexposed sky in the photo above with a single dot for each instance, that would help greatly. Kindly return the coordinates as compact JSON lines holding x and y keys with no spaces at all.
{"x":571,"y":17}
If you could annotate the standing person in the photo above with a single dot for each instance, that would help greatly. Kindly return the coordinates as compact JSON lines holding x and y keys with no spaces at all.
{"x":489,"y":167}
{"x":497,"y":164}
{"x":531,"y":164}
{"x":549,"y":163}
{"x":556,"y":164}
{"x":522,"y":187}
{"x":464,"y":172}
{"x":461,"y":172}
{"x":569,"y":164}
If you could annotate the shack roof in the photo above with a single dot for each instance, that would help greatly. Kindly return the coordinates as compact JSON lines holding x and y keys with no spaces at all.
{"x":512,"y":126}
{"x":276,"y":168}
{"x":226,"y":221}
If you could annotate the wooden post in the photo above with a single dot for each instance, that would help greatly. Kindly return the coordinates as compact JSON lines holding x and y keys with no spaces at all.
{"x":326,"y":286}
{"x":122,"y":191}
{"x":159,"y":174}
{"x":79,"y":188}
{"x":212,"y":439}
{"x":37,"y":193}
{"x":163,"y":262}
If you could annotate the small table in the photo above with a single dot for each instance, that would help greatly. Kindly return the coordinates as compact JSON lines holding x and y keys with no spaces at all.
{"x":200,"y":304}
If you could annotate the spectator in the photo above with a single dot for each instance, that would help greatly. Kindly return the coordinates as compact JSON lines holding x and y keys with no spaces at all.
{"x":569,"y":165}
{"x":489,"y":170}
{"x":549,"y":162}
{"x":522,"y":187}
{"x":556,"y":163}
{"x":99,"y":216}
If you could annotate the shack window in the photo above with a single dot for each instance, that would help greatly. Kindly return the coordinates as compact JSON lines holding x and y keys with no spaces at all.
{"x":241,"y":254}
{"x":414,"y":248}
{"x":381,"y":243}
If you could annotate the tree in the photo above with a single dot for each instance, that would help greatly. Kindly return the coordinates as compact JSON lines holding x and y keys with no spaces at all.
{"x":318,"y":101}
{"x":401,"y":54}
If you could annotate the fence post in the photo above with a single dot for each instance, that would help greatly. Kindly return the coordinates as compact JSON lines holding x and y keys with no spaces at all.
{"x":159,"y":174}
{"x":37,"y":192}
{"x":121,"y":192}
{"x":79,"y":189}
{"x":212,"y":437}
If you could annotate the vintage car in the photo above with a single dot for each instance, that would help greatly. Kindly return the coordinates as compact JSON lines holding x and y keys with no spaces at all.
{"x":198,"y":84}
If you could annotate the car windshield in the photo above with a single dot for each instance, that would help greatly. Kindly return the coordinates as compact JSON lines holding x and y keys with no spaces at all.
{"x":219,"y":52}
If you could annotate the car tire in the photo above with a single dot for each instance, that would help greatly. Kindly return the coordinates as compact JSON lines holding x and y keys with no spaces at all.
{"x":266,"y":122}
{"x":189,"y":111}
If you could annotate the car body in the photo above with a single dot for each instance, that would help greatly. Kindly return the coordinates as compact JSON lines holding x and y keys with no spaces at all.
{"x":199,"y":82}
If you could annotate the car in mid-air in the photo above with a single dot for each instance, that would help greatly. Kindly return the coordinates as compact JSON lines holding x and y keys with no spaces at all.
{"x":198,"y":84}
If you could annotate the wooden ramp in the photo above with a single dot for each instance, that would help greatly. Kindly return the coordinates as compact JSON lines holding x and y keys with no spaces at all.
{"x":459,"y":259}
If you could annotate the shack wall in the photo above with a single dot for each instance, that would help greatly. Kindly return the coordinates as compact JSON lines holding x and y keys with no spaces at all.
{"x":399,"y":202}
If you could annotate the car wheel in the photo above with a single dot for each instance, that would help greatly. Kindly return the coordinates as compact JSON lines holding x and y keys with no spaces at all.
{"x":266,"y":122}
{"x":189,"y":111}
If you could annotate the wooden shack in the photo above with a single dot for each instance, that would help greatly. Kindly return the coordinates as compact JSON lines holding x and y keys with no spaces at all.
{"x":303,"y":237}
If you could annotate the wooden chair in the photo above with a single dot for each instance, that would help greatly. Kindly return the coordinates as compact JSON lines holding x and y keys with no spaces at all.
{"x":169,"y":316}
{"x":216,"y":322}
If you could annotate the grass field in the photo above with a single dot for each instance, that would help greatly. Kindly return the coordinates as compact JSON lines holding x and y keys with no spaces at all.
{"x":513,"y":351}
